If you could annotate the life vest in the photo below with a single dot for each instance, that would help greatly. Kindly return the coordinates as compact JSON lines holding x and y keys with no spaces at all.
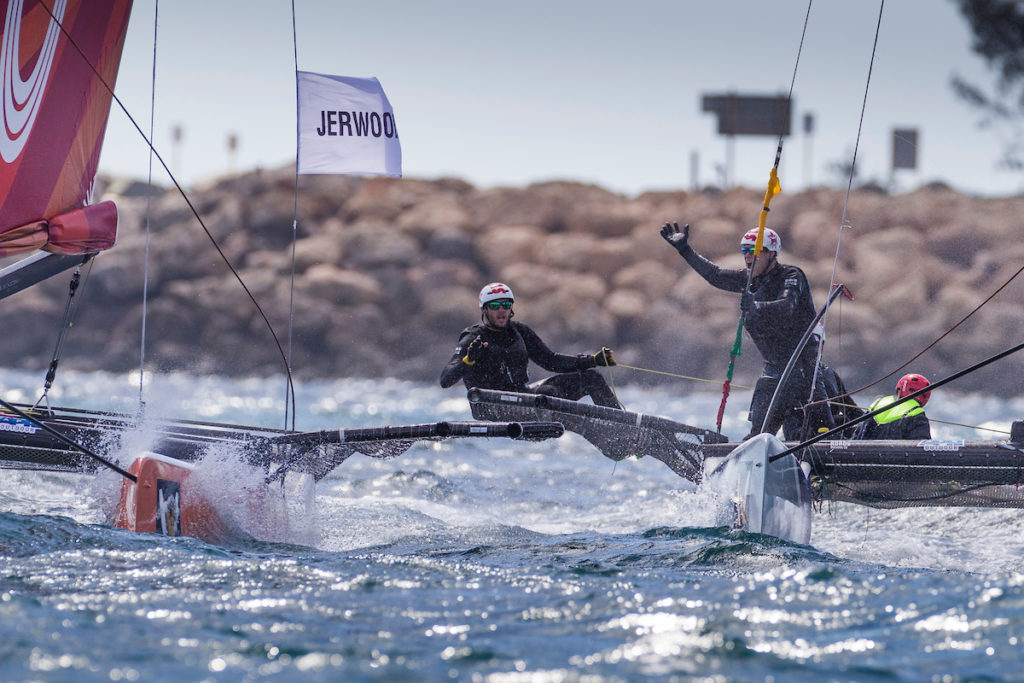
{"x":905,"y":409}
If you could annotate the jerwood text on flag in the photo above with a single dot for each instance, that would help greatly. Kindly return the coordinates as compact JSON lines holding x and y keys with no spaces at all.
{"x":356,"y":123}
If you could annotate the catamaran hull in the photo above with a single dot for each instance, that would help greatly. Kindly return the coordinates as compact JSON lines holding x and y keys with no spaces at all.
{"x":896,"y":474}
{"x":763,"y":494}
{"x":164,"y":494}
{"x":167,"y":499}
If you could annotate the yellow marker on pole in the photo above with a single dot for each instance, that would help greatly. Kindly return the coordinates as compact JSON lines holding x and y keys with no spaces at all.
{"x":774,"y":187}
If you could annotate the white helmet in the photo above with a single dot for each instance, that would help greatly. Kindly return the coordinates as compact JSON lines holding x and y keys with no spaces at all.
{"x":494,"y":292}
{"x":772,"y":241}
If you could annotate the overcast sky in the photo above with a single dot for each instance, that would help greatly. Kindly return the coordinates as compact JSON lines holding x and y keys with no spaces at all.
{"x":597,"y":91}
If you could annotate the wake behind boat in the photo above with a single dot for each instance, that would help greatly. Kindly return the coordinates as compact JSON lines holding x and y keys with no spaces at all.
{"x":159,"y":493}
{"x":753,"y":492}
{"x":882,"y":474}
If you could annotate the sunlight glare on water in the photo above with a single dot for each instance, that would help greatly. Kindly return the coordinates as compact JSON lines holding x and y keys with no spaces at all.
{"x":488,"y":559}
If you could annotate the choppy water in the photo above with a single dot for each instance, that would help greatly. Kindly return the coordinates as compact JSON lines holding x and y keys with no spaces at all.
{"x":495,"y":560}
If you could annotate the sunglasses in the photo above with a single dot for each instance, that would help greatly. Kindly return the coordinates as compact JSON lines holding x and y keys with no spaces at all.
{"x":495,"y":305}
{"x":747,"y":251}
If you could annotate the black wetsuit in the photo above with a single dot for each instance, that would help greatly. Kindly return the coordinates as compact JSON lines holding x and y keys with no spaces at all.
{"x":783,"y":310}
{"x":503,"y":366}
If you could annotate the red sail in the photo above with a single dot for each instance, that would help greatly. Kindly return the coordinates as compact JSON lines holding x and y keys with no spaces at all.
{"x":54,"y":110}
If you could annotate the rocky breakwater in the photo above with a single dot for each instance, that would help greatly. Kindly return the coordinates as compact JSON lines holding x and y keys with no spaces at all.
{"x":387,"y":272}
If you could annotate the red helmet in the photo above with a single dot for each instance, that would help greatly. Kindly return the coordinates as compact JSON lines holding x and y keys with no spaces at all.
{"x":908,"y":384}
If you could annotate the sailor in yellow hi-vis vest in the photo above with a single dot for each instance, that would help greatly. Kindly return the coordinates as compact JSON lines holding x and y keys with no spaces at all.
{"x":905,"y":421}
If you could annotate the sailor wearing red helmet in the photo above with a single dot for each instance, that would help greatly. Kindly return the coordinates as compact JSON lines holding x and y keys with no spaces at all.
{"x":777,"y":310}
{"x":494,"y":354}
{"x":906,"y":421}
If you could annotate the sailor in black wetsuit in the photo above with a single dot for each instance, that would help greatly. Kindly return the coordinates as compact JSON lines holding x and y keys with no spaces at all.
{"x":777,"y":310}
{"x":494,"y":355}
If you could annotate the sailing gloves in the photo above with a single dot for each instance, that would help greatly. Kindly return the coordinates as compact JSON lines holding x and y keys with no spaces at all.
{"x":474,"y":352}
{"x":604,"y":357}
{"x":679,"y":239}
{"x":747,"y":305}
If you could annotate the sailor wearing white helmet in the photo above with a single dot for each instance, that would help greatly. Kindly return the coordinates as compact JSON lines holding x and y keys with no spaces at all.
{"x":777,"y":310}
{"x":494,"y":354}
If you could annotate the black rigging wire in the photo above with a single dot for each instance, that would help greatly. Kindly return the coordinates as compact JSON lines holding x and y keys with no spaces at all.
{"x":870,"y":414}
{"x":846,"y":205}
{"x":946,"y":333}
{"x":843,"y":224}
{"x":66,"y":324}
{"x":149,"y":207}
{"x":295,"y":220}
{"x":71,"y":442}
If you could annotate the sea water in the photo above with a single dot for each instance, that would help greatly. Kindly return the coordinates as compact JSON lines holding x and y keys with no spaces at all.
{"x":494,"y":560}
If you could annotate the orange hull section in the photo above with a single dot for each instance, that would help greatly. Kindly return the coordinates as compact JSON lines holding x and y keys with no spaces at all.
{"x":166,"y":500}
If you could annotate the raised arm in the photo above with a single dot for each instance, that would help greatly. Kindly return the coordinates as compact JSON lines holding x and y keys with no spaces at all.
{"x":679,"y":238}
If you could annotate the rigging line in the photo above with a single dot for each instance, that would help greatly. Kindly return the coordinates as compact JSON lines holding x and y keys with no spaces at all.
{"x":677,"y":376}
{"x":849,"y":187}
{"x":933,"y":420}
{"x":789,"y":103}
{"x":78,"y":282}
{"x":799,"y":50}
{"x":611,"y":385}
{"x":69,"y":441}
{"x":181,"y":191}
{"x":289,"y":396}
{"x":936,"y":341}
{"x":947,"y":332}
{"x":870,"y":414}
{"x":66,"y":324}
{"x":149,"y":206}
{"x":843,"y":224}
{"x":975,"y":427}
{"x":794,"y":357}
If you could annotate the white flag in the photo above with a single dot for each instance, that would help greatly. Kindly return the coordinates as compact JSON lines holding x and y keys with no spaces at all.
{"x":346,"y":126}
